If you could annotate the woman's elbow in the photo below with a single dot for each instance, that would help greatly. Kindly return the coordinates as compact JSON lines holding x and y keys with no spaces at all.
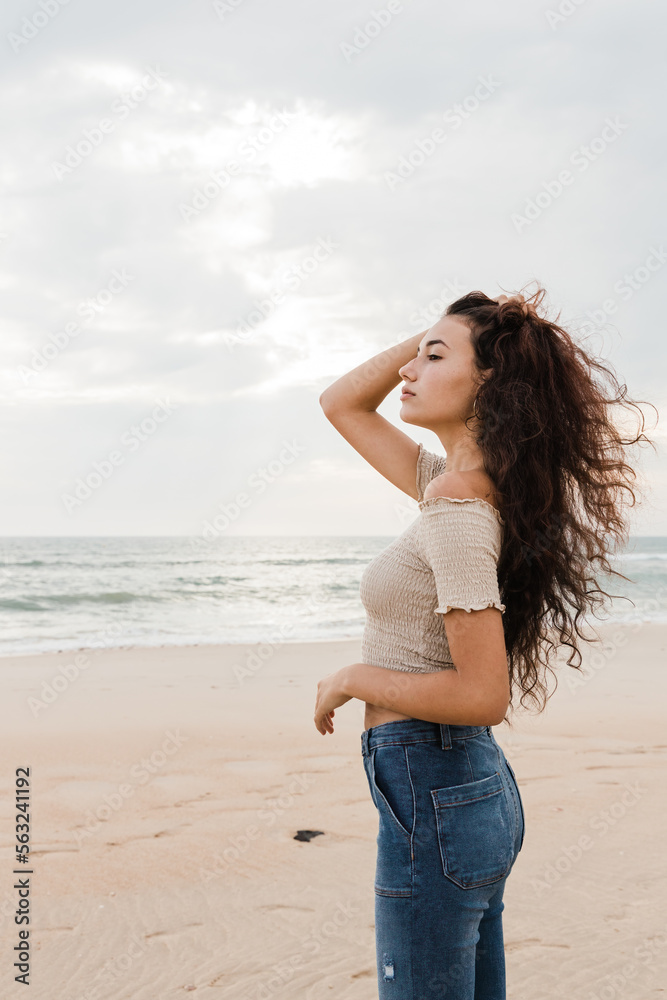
{"x":488,"y":713}
{"x":496,"y":714}
{"x":489,"y":705}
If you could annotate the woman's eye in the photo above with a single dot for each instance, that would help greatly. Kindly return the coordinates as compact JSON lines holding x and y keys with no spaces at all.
{"x":433,"y":356}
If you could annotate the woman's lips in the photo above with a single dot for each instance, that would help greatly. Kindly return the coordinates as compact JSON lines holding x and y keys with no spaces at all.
{"x":407,"y":395}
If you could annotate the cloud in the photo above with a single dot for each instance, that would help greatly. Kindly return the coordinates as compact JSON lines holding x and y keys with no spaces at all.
{"x":210,"y":151}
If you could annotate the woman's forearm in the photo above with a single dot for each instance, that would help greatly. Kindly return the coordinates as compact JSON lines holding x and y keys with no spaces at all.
{"x":438,"y":697}
{"x":365,"y":386}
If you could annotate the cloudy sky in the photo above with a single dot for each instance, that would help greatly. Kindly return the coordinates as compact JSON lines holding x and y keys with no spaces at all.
{"x":212,"y":210}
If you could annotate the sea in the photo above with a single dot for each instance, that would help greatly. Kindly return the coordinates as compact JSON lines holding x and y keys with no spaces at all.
{"x":59,"y":594}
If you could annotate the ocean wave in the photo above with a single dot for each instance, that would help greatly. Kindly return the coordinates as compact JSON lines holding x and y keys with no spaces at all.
{"x":336,"y":561}
{"x":16,"y":604}
{"x":26,"y":563}
{"x":41,"y":602}
{"x":642,"y":556}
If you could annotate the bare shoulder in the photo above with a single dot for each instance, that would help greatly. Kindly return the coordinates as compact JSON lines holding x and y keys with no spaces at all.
{"x":462,"y":486}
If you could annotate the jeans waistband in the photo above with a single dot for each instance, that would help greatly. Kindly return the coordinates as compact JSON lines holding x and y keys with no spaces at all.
{"x":417,"y":731}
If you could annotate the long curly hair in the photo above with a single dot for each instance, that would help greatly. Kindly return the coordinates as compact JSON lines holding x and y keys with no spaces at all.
{"x":560,"y":469}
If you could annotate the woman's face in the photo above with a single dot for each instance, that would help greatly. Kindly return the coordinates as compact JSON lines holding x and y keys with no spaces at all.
{"x":443,"y":377}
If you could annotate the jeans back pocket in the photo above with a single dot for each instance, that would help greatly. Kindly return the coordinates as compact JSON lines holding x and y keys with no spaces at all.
{"x":476,"y":831}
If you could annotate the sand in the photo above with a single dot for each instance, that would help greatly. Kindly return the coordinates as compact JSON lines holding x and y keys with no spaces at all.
{"x":167,"y":785}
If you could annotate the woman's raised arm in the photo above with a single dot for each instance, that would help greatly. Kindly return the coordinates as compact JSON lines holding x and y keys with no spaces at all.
{"x":350,"y":404}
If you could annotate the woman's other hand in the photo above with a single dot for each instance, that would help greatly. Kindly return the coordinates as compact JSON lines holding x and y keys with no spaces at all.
{"x":330,"y":696}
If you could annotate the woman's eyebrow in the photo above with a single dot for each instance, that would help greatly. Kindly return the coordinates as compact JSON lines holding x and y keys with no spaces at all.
{"x":429,"y":342}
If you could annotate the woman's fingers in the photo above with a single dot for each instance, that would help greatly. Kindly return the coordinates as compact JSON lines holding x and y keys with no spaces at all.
{"x":324,"y":724}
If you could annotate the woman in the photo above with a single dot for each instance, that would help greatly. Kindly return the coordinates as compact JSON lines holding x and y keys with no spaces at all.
{"x":462,"y":607}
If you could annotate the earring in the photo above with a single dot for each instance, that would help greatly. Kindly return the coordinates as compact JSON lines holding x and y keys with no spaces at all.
{"x":474,"y":409}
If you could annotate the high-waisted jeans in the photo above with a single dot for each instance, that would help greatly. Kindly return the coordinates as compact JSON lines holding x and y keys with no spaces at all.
{"x":451,"y":824}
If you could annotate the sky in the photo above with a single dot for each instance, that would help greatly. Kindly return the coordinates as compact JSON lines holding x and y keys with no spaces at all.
{"x":213,"y":210}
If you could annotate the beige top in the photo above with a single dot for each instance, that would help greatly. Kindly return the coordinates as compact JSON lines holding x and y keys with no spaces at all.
{"x":447,"y":558}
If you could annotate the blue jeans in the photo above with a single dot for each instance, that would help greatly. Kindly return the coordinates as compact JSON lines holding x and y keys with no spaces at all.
{"x":451,"y":824}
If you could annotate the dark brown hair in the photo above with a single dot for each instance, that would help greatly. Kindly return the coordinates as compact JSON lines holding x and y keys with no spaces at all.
{"x":559,"y":467}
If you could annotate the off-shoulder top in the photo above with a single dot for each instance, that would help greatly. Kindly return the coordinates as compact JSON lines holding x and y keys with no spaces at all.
{"x":447,"y":558}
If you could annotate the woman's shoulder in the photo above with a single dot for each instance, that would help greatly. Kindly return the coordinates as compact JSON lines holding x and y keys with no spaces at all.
{"x":462,"y":488}
{"x":429,"y":465}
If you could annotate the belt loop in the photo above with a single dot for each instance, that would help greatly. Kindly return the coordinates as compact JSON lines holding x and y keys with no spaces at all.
{"x":445,"y":737}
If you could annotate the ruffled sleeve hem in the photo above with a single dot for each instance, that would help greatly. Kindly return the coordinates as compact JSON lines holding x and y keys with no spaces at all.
{"x":471,"y":607}
{"x":432,"y":501}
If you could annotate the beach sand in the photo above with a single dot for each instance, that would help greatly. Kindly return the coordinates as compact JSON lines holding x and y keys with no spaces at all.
{"x":167,"y":785}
